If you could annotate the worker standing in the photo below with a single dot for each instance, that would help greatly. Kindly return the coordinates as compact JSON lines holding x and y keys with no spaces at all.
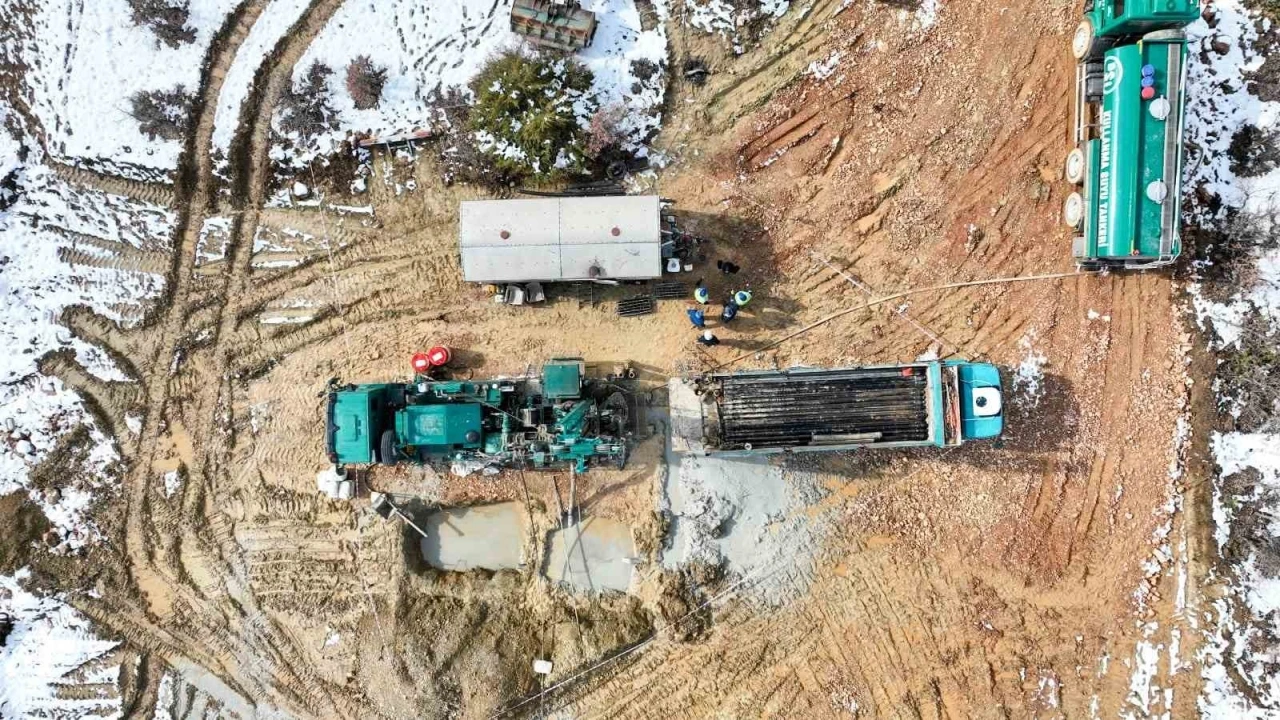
{"x":742,"y":297}
{"x":701,"y":294}
{"x":729,"y":313}
{"x":708,"y":339}
{"x":697,"y":317}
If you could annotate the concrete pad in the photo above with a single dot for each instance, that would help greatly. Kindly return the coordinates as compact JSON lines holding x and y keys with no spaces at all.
{"x":483,"y":537}
{"x":592,"y":555}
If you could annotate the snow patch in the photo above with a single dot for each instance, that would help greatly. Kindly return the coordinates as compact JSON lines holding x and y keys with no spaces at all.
{"x":50,"y":651}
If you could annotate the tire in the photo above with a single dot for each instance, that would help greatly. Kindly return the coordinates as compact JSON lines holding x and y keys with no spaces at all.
{"x":1073,"y":210}
{"x":1074,"y":167}
{"x":387,"y":448}
{"x":1083,"y":40}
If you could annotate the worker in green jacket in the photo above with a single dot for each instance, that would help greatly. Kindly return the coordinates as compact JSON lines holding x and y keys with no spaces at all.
{"x":741,"y":298}
{"x":701,"y":294}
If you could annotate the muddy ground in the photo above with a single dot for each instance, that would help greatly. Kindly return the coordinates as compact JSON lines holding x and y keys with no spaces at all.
{"x":1010,"y":579}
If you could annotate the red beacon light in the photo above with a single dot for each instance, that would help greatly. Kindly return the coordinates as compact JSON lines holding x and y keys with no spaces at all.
{"x":1148,"y":93}
{"x":421,"y":362}
{"x":439,"y":356}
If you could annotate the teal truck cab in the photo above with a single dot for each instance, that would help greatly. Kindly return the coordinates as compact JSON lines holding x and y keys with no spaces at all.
{"x":932,"y":403}
{"x":1128,"y":122}
{"x":559,"y":418}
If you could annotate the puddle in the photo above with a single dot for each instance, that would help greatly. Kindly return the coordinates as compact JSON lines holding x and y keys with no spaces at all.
{"x":484,"y":537}
{"x":594,"y":555}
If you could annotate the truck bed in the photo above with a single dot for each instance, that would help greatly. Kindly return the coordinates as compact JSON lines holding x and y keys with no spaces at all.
{"x":874,"y":405}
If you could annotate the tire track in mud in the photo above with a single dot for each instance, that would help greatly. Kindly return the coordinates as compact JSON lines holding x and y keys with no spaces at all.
{"x":277,"y":658}
{"x":152,"y":192}
{"x":178,"y":621}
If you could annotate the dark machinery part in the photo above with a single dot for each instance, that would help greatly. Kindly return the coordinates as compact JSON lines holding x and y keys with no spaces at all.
{"x":793,"y":411}
{"x":636,"y":306}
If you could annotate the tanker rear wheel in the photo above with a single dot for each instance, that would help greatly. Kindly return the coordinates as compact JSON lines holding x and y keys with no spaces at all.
{"x":1074,"y":167}
{"x":1073,"y":210}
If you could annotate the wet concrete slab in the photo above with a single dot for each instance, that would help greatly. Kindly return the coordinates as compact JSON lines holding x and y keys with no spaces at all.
{"x":596,"y":554}
{"x":482,"y":537}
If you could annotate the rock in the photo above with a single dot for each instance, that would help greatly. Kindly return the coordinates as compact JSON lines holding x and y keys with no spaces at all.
{"x":300,"y":190}
{"x":1220,"y":46}
{"x":24,"y":447}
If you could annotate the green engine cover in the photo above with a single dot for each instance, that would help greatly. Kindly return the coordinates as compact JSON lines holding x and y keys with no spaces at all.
{"x":562,"y":380}
{"x":1133,"y":182}
{"x":440,"y":426}
{"x":1113,"y":18}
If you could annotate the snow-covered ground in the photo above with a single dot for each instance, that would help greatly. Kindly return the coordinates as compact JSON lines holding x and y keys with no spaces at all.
{"x":86,"y":60}
{"x":53,"y":664}
{"x":36,"y":284}
{"x":267,"y":31}
{"x":1243,"y":640}
{"x":430,"y":47}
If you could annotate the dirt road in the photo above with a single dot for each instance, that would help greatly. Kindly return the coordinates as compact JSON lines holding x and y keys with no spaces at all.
{"x":1040,"y":575}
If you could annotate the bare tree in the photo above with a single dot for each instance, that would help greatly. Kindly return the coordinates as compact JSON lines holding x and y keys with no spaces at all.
{"x":305,"y":109}
{"x":162,"y":113}
{"x":166,"y":18}
{"x":365,"y":82}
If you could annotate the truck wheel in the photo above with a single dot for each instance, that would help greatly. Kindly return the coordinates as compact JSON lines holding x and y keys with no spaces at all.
{"x":1073,"y":210}
{"x":1074,"y":169}
{"x":387,"y":448}
{"x":1082,"y":41}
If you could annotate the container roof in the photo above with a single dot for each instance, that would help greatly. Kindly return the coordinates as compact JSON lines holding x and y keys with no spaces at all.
{"x":552,"y":239}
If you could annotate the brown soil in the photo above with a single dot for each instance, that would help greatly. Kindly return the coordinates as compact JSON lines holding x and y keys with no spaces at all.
{"x":25,"y":525}
{"x":986,"y":581}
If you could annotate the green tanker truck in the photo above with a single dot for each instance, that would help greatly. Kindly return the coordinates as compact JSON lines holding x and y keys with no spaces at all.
{"x":1128,"y":122}
{"x":921,"y":404}
{"x":559,"y":418}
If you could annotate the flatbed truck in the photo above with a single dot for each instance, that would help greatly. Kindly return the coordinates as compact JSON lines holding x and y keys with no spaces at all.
{"x":931,"y":403}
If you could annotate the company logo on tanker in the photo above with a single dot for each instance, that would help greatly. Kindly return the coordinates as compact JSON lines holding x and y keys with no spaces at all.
{"x":1112,"y":71}
{"x":1104,"y":177}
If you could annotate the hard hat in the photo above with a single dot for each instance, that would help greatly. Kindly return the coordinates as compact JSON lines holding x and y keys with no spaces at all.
{"x":707,"y":334}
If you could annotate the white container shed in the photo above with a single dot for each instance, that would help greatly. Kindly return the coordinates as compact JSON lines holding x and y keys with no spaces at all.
{"x":559,"y":239}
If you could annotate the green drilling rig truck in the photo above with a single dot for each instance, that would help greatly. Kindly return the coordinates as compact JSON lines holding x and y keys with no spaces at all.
{"x":559,"y":418}
{"x":1130,"y":80}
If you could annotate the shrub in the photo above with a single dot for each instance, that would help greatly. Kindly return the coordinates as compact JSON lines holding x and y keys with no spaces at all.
{"x":305,"y":109}
{"x":365,"y":82}
{"x":524,"y":121}
{"x":162,"y":113}
{"x":166,"y":18}
{"x":603,"y":132}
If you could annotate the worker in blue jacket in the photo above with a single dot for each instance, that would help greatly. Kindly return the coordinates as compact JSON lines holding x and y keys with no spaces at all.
{"x":729,"y":313}
{"x":697,"y":317}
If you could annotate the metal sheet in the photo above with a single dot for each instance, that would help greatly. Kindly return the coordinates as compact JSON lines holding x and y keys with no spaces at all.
{"x":561,"y":239}
{"x":594,"y":220}
{"x":527,"y":222}
{"x":511,"y":264}
{"x":631,"y":261}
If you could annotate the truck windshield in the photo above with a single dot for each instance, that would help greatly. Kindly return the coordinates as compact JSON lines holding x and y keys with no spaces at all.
{"x":951,"y":406}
